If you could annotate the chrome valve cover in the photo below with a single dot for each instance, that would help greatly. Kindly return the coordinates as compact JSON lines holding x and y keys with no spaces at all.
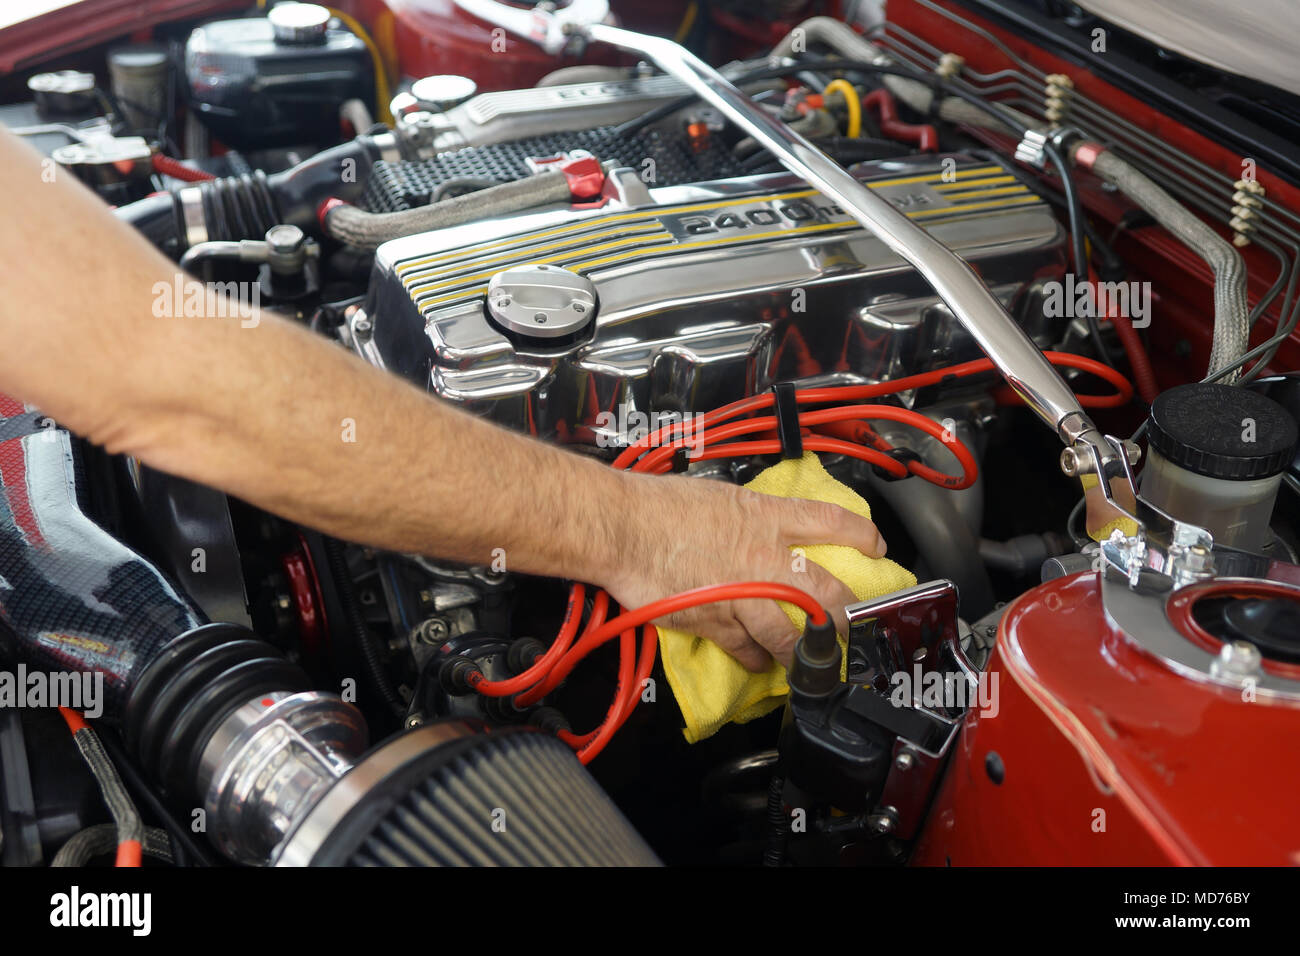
{"x":706,"y":294}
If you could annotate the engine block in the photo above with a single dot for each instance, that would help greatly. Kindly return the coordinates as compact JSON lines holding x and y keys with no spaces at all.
{"x":703,"y":294}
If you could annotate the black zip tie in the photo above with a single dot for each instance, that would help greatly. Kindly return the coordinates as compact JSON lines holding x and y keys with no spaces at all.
{"x":680,"y":464}
{"x":900,"y":454}
{"x":786,"y":406}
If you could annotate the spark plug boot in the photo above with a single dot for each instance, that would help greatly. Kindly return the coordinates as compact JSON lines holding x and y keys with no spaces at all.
{"x":815,"y":670}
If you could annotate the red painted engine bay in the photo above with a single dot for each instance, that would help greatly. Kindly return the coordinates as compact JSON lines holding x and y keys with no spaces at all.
{"x":1128,"y":680}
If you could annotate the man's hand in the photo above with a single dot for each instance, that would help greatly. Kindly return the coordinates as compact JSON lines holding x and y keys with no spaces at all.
{"x":682,"y":533}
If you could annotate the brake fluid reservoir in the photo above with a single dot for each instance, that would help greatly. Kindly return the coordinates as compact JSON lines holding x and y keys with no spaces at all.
{"x":1216,"y":459}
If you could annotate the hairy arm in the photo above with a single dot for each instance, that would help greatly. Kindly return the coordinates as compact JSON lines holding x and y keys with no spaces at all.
{"x":274,"y":414}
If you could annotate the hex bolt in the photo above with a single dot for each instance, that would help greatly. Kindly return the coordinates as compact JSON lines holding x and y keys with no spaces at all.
{"x":284,"y":238}
{"x":1070,"y":462}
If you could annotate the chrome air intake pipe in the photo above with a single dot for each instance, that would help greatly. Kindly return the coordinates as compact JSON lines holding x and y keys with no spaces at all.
{"x":74,"y":598}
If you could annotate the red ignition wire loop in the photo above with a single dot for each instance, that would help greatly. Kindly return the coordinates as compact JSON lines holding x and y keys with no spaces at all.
{"x":662,"y":608}
{"x":843,"y":429}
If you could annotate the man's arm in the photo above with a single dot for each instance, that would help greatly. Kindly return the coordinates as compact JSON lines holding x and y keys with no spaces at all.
{"x":287,"y":421}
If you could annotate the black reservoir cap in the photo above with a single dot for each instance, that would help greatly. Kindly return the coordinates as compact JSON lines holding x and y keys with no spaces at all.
{"x":1222,"y":432}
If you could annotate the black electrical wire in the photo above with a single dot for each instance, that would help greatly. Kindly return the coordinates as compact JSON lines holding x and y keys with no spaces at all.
{"x":778,"y":824}
{"x":842,"y":149}
{"x":185,"y":848}
{"x":1111,"y":262}
{"x":1079,"y":242}
{"x":1072,"y":519}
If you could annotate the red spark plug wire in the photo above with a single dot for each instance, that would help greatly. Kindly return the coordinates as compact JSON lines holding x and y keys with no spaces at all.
{"x":540,"y":667}
{"x":662,"y":608}
{"x":843,"y":429}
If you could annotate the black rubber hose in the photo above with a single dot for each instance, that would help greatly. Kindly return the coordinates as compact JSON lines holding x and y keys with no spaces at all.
{"x":245,"y":206}
{"x":1079,"y":242}
{"x":336,"y":557}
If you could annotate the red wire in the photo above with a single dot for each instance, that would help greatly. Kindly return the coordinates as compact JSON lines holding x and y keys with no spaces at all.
{"x":1143,"y":375}
{"x":841,"y":430}
{"x":773,"y":446}
{"x":660,"y":458}
{"x":568,"y":630}
{"x":746,"y":590}
{"x":882,"y":101}
{"x":856,"y":393}
{"x":178,"y":170}
{"x":627,"y":663}
{"x":631,"y":691}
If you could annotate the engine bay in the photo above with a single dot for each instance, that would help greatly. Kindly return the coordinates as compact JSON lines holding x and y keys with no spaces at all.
{"x":1032,"y":301}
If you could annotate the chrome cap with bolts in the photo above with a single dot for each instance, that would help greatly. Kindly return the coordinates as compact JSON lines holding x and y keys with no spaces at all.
{"x":541,"y":302}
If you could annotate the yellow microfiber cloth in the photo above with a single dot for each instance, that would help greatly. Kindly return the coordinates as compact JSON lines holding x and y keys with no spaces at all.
{"x":712,"y":689}
{"x":1126,"y":525}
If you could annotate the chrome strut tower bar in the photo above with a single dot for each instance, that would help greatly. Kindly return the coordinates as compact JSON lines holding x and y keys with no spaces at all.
{"x":1020,"y":361}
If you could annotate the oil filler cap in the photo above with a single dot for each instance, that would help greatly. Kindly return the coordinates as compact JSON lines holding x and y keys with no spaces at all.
{"x":301,"y":23}
{"x":542,"y":304}
{"x":1221,"y":431}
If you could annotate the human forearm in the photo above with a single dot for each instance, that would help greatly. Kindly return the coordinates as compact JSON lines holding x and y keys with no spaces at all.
{"x":259,"y":407}
{"x":302,"y":429}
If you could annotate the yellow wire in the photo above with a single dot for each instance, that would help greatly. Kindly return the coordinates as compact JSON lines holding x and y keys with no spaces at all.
{"x":688,"y":21}
{"x":851,"y":98}
{"x":382,"y":93}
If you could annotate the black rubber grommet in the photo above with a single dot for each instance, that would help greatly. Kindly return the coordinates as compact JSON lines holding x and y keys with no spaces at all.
{"x":142,"y":697}
{"x":179,"y":759}
{"x":195,"y":682}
